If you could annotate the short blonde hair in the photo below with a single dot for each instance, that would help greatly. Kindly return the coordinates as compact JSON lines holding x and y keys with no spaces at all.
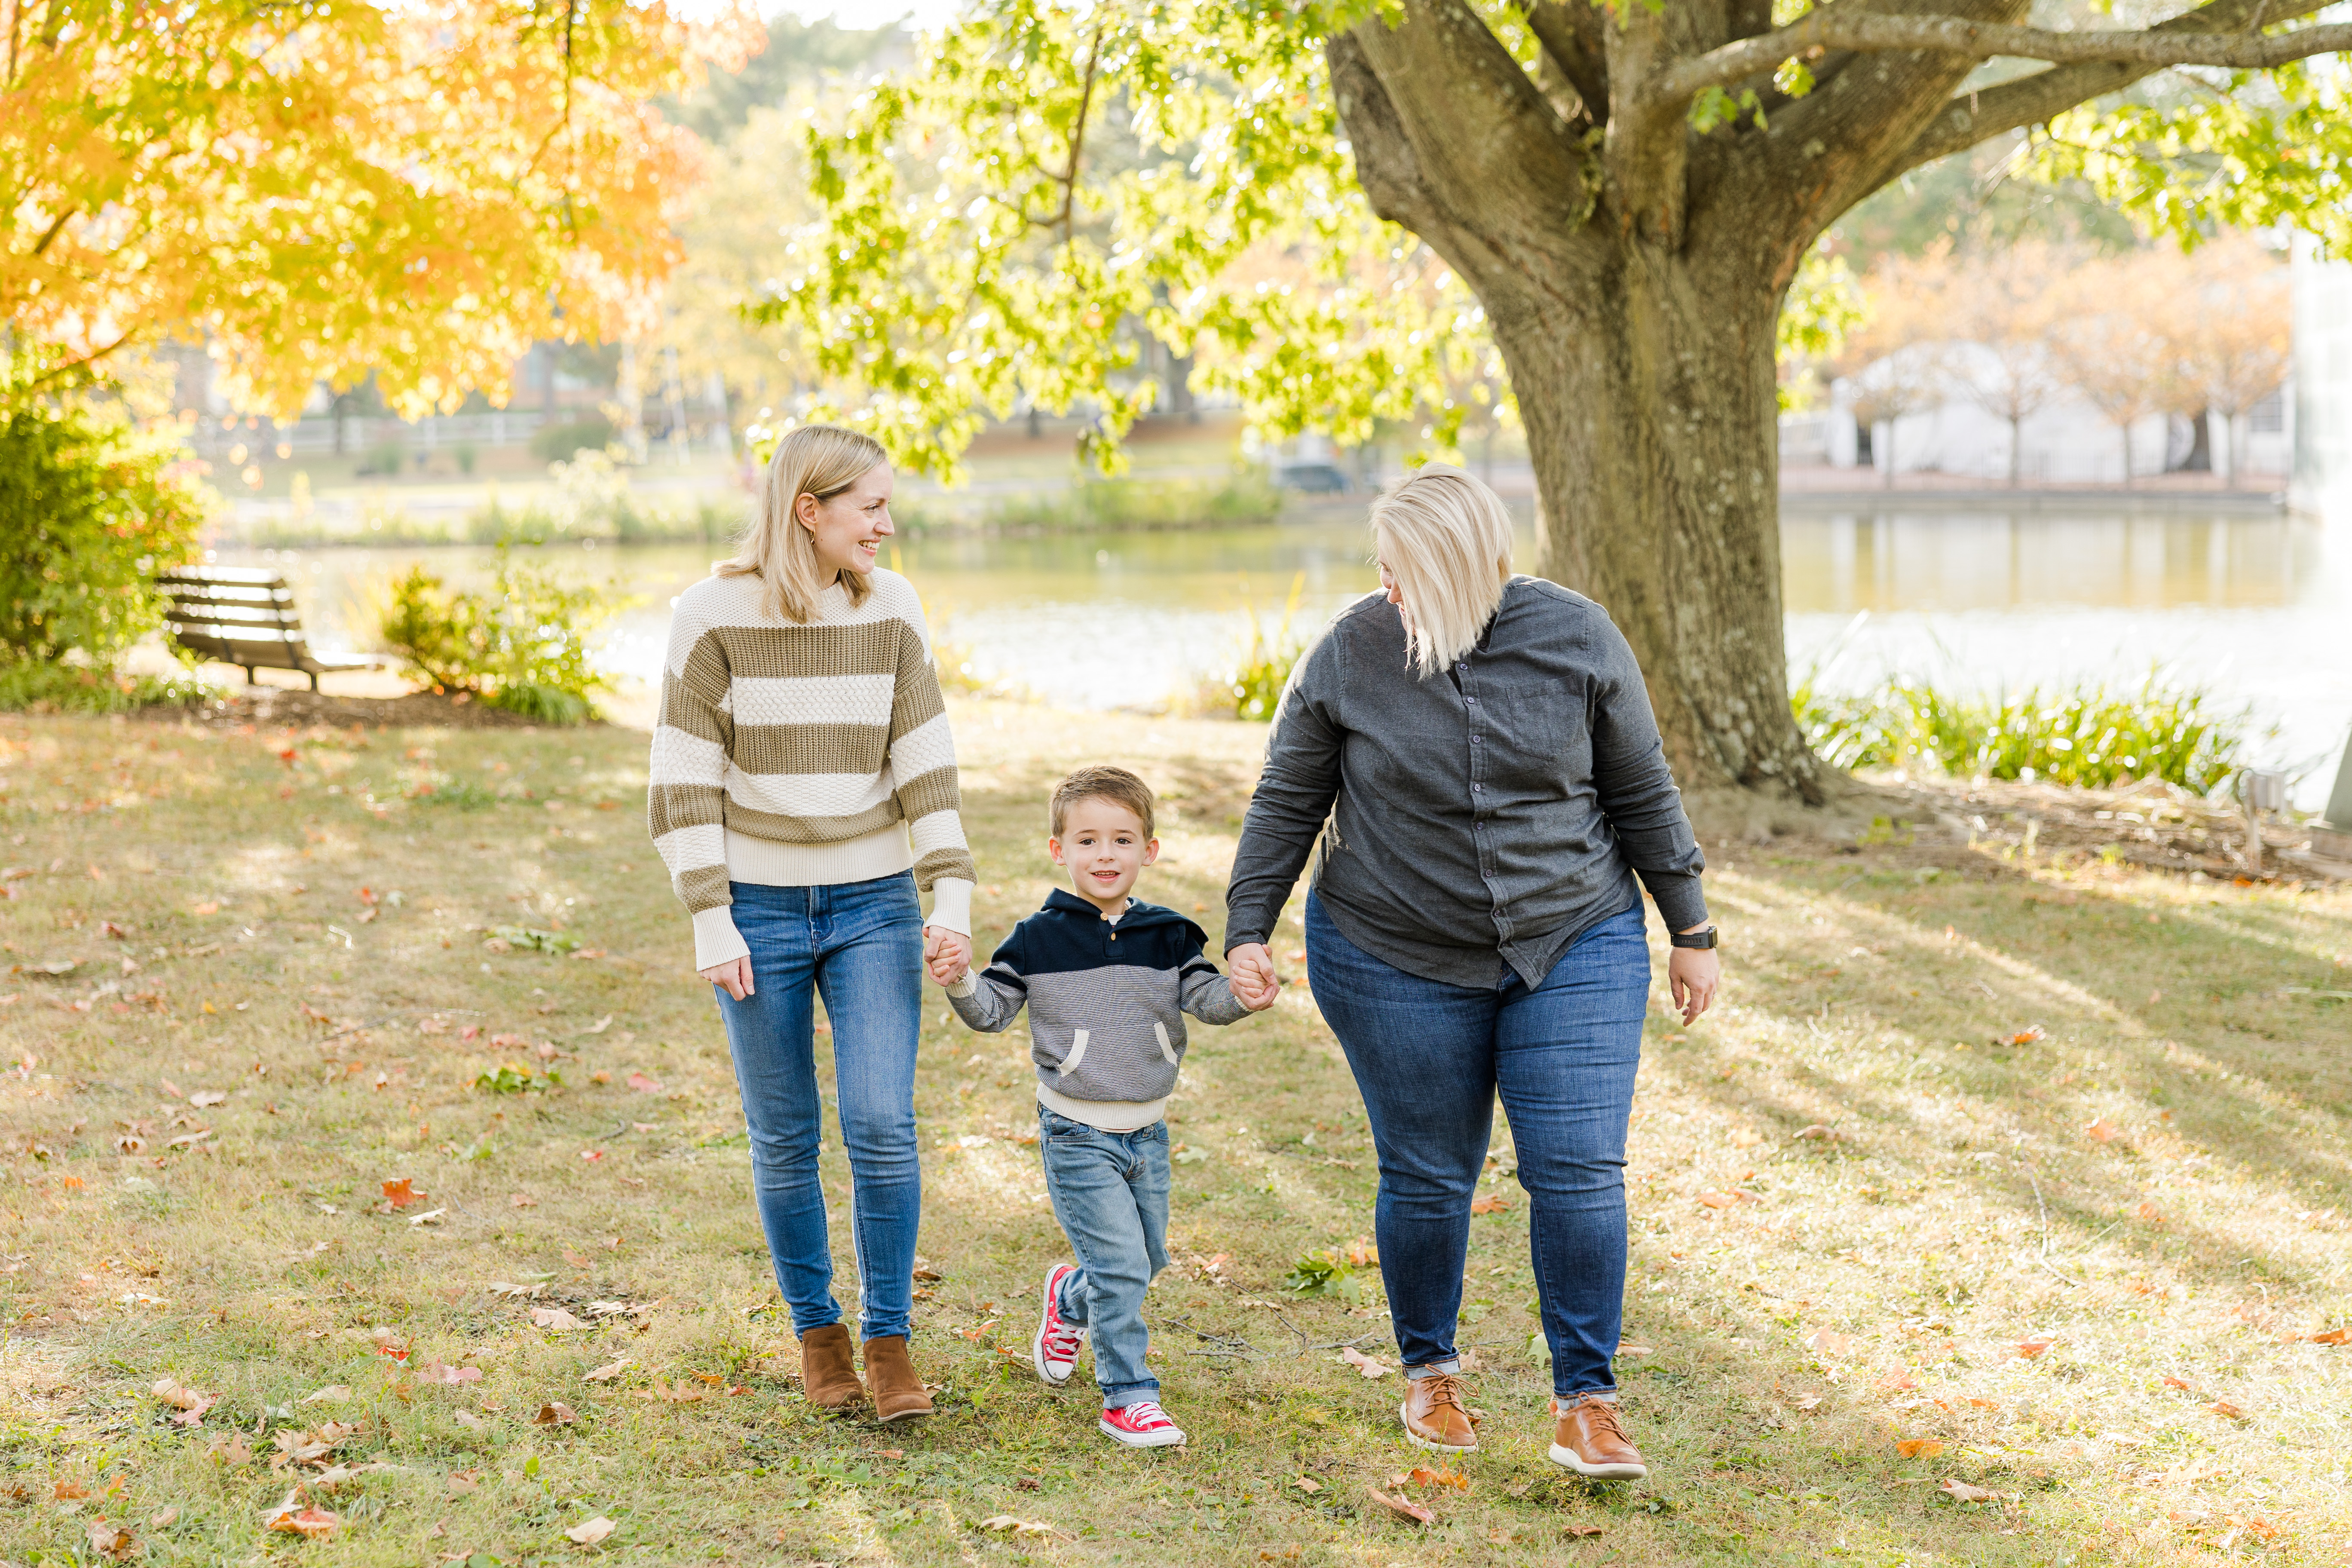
{"x":820,"y":461}
{"x":1101,"y":782}
{"x":1446,"y":540}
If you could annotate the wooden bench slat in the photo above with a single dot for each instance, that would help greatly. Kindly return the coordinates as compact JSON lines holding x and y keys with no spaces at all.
{"x":246,"y":616}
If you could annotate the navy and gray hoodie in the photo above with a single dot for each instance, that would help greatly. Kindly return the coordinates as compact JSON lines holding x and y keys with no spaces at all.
{"x":1107,"y":1000}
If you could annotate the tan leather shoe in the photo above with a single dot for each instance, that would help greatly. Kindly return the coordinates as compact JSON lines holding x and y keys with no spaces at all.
{"x":1435,"y":1417}
{"x":899,"y":1393}
{"x":1589,"y":1441}
{"x":827,"y":1377}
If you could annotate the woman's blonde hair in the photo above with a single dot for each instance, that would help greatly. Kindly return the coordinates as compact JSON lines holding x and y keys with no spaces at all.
{"x":820,"y":461}
{"x":1446,"y":540}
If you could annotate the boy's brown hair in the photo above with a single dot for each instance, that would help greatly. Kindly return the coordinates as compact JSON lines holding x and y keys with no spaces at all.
{"x":1114,"y":784}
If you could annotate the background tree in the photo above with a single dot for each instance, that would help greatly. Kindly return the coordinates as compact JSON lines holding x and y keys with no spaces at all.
{"x":2234,"y":336}
{"x":2006,"y":303}
{"x":1629,"y":191}
{"x":323,"y":190}
{"x":2114,"y":344}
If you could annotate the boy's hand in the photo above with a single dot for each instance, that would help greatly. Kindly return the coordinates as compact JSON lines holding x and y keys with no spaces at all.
{"x":947,"y":953}
{"x":1255,"y":981}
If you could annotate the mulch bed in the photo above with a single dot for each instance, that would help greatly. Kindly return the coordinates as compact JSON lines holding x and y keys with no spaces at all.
{"x":270,"y":707}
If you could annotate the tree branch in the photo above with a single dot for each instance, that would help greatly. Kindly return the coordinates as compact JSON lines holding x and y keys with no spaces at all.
{"x":1976,"y":117}
{"x":1831,"y":29}
{"x":1561,"y":30}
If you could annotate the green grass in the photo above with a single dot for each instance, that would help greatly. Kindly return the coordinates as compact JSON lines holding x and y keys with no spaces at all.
{"x":2158,"y":1185}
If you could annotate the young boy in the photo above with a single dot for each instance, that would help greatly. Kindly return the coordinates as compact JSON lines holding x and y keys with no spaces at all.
{"x":1107,"y":980}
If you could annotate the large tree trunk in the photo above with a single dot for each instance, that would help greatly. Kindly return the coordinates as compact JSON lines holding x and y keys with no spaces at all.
{"x":1656,"y":456}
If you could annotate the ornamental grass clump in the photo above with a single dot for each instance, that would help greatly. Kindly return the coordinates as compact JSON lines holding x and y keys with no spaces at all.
{"x":2088,"y":737}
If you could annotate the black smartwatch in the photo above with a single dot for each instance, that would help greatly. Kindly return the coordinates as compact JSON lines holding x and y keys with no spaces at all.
{"x":1699,"y":939}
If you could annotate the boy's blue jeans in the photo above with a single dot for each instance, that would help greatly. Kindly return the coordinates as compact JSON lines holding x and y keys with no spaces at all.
{"x":1430,"y":1058}
{"x":1110,"y":1193}
{"x":860,"y":944}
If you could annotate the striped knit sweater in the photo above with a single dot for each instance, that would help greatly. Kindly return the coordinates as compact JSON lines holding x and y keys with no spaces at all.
{"x":797,"y":755}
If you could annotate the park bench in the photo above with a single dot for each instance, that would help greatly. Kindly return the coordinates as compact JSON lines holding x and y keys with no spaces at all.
{"x":245,"y":616}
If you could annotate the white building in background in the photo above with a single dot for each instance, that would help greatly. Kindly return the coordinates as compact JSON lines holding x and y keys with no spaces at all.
{"x":2068,"y":442}
{"x":2322,"y":478}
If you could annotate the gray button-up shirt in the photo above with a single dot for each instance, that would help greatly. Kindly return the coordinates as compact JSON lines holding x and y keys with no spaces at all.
{"x":1482,"y":818}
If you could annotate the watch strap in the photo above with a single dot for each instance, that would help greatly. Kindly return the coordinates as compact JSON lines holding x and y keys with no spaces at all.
{"x":1697,"y":939}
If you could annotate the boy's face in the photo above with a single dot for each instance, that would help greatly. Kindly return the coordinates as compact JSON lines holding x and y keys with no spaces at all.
{"x":1105,"y":846}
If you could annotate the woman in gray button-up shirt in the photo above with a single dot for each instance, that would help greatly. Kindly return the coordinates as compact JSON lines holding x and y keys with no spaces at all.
{"x":1475,"y":752}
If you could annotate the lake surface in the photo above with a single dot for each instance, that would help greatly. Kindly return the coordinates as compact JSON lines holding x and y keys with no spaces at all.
{"x":2252,"y":606}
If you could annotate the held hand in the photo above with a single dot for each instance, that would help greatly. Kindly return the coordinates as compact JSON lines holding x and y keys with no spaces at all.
{"x":947,"y":953}
{"x":1693,"y":977}
{"x":1255,"y":981}
{"x":734,"y":977}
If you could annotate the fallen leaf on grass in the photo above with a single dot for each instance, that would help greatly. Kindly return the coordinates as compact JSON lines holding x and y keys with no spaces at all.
{"x":1307,"y":1484}
{"x":2180,"y":1382}
{"x":230,"y":1449}
{"x":525,"y":1200}
{"x":555,"y":1318}
{"x":589,"y":1531}
{"x":2226,"y":1410}
{"x":190,"y":1403}
{"x":2026,"y":1350}
{"x":2259,"y":1529}
{"x":163,"y":1520}
{"x":399,"y":1195}
{"x":310,"y":1524}
{"x":1581,"y":1530}
{"x":440,"y":1373}
{"x":1901,"y":1380}
{"x":1008,"y":1524}
{"x":1492,"y":1203}
{"x":608,"y":1371}
{"x":333,"y":1393}
{"x":463,"y":1481}
{"x":469,"y":1420}
{"x":2032,"y":1035}
{"x":1367,"y":1367}
{"x":430,"y":1217}
{"x":109,"y":1539}
{"x":1820,"y":1132}
{"x":1960,"y":1491}
{"x":2101,"y":1130}
{"x":642,"y":1084}
{"x":1728,"y":1200}
{"x":204,"y":1098}
{"x":1808,"y":1403}
{"x":1831,"y":1343}
{"x":2332,"y":1337}
{"x":1403,"y":1506}
{"x":1422,"y":1476}
{"x":554,"y":1414}
{"x":1919,"y":1448}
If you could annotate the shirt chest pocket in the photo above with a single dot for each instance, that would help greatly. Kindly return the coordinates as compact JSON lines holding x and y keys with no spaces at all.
{"x":1535,"y":734}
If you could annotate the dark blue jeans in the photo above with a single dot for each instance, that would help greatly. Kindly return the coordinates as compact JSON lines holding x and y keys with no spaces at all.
{"x":860,"y":946}
{"x":1110,"y":1193}
{"x":1429,"y":1058}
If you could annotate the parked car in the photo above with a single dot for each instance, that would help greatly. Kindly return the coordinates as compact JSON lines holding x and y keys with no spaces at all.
{"x":1314,"y":479}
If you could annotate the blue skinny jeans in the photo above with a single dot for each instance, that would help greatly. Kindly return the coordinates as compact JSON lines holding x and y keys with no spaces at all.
{"x":860,"y":946}
{"x":1429,"y":1058}
{"x":1110,"y":1193}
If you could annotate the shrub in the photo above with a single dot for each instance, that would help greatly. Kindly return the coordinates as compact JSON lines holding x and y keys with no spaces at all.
{"x":561,"y":443}
{"x":83,"y":689}
{"x":383,"y":457}
{"x":521,"y":645}
{"x":2087,"y":737}
{"x":1253,"y":687}
{"x":90,"y":510}
{"x":1245,"y":497}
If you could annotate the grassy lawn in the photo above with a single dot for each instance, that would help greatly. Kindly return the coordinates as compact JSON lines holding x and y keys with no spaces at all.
{"x":2027,"y":1176}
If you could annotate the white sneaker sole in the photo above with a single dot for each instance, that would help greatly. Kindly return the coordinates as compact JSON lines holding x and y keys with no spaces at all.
{"x":1418,"y":1441}
{"x":1172,"y":1438}
{"x":1569,"y":1459}
{"x":1037,"y":1341}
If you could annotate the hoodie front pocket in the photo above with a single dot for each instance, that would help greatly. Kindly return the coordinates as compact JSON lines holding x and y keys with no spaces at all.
{"x":1166,"y":1050}
{"x":1077,"y":1053}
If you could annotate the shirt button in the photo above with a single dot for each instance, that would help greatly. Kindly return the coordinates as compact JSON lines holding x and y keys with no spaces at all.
{"x":1477,"y":789}
{"x":1469,"y":700}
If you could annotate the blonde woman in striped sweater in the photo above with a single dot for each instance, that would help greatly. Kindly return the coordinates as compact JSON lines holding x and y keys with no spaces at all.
{"x":804,"y":791}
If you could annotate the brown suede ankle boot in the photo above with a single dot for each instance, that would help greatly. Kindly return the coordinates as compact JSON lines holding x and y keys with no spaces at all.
{"x":899,"y":1393}
{"x":827,"y":1377}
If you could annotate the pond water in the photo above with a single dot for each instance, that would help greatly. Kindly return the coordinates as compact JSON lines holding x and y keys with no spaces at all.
{"x":2251,"y":606}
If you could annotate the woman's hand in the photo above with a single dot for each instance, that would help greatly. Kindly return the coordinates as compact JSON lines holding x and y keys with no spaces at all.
{"x":947,"y":953}
{"x":1255,"y":981}
{"x":1693,"y":974}
{"x":734,"y":977}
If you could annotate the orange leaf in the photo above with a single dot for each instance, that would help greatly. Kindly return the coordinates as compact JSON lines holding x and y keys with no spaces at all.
{"x":2028,"y":1349}
{"x":310,"y":1524}
{"x":2102,"y":1131}
{"x":1403,"y":1506}
{"x":554,"y":1414}
{"x":1919,"y":1448}
{"x":1367,"y":1366}
{"x":1900,"y":1381}
{"x":1829,"y":1344}
{"x":1580,"y":1530}
{"x":1422,"y":1476}
{"x":1960,"y":1491}
{"x":110,"y":1540}
{"x":2181,"y":1383}
{"x":1490,"y":1202}
{"x":436,"y":1372}
{"x":2226,"y":1410}
{"x":2333,"y":1337}
{"x":645,"y":1085}
{"x":402,"y":1193}
{"x":1307,"y":1484}
{"x":2033,"y":1034}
